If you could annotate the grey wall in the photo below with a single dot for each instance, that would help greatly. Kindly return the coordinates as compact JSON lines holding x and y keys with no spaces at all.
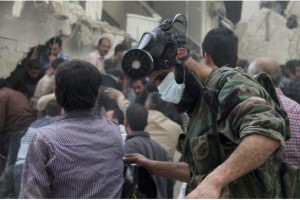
{"x":17,"y":35}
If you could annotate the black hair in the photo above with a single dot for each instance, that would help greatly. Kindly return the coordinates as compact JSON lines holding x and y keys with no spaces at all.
{"x":151,"y":87}
{"x":55,"y":40}
{"x":137,"y":117}
{"x":243,"y":63}
{"x":57,"y":62}
{"x":143,"y":80}
{"x":3,"y":83}
{"x":52,"y":108}
{"x":101,"y":39}
{"x":120,"y":47}
{"x":33,"y":64}
{"x":221,"y":44}
{"x":118,"y":114}
{"x":291,"y":65}
{"x":77,"y":85}
{"x":154,"y":102}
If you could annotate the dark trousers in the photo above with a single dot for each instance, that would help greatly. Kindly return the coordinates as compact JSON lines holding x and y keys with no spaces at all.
{"x":6,"y":178}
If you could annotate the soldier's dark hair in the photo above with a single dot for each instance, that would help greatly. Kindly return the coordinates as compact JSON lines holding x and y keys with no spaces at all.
{"x":77,"y":85}
{"x":137,"y":117}
{"x":221,"y":44}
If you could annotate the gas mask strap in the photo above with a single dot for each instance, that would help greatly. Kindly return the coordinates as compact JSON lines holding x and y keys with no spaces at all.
{"x":183,"y":21}
{"x":184,"y":73}
{"x":184,"y":68}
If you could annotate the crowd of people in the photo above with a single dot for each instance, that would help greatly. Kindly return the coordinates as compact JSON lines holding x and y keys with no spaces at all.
{"x":68,"y":125}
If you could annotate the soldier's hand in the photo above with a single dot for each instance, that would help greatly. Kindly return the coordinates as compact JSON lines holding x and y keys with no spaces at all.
{"x":183,"y":54}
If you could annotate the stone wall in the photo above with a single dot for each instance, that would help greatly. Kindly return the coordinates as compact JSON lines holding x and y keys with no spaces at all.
{"x":38,"y":21}
{"x":266,"y":34}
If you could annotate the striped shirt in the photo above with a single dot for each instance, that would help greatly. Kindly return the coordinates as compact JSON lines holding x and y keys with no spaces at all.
{"x":77,"y":156}
{"x":292,"y":108}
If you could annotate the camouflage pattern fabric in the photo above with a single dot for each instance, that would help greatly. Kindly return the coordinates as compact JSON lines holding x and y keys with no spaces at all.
{"x":244,"y":108}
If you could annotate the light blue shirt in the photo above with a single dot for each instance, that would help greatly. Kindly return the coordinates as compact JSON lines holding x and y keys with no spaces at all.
{"x":26,"y":139}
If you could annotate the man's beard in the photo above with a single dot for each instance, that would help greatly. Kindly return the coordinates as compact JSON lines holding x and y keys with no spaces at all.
{"x":190,"y":95}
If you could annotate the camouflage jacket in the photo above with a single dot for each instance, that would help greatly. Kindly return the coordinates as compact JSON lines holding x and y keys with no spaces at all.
{"x":244,"y":108}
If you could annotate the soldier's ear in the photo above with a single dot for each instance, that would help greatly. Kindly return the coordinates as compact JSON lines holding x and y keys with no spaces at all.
{"x":208,"y":60}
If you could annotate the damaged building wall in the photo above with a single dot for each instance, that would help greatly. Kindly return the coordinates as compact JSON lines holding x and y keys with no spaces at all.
{"x":266,"y":34}
{"x":38,"y":21}
{"x":263,"y":33}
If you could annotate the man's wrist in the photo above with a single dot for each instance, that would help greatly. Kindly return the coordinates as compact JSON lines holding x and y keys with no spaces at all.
{"x":120,"y":97}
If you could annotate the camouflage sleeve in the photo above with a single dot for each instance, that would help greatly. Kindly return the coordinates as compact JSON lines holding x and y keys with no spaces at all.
{"x":246,"y":108}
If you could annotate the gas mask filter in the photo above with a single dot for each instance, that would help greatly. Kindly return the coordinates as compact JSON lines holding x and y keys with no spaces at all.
{"x":139,"y":62}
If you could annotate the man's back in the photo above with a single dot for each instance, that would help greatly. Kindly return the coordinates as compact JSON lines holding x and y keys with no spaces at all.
{"x":15,"y":111}
{"x":140,"y":142}
{"x":164,"y":131}
{"x":81,"y":157}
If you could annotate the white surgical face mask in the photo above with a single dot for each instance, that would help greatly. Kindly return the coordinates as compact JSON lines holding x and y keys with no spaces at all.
{"x":170,"y":90}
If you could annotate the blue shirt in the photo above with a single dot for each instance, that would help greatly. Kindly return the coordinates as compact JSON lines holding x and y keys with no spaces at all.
{"x":45,"y":62}
{"x":26,"y":139}
{"x":77,"y":156}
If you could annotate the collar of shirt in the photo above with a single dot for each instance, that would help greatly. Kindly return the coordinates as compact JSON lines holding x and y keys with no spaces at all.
{"x":138,"y":133}
{"x":98,"y":55}
{"x":79,"y":113}
{"x":63,"y":55}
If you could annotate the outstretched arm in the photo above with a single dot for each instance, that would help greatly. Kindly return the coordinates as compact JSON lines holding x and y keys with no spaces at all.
{"x":117,"y":95}
{"x":250,"y":154}
{"x":178,"y":171}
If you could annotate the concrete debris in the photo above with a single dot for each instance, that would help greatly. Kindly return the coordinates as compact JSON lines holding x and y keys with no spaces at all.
{"x":266,"y":34}
{"x":292,"y":9}
{"x":36,"y":24}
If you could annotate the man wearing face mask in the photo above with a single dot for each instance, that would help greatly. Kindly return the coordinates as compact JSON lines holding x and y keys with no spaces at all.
{"x":232,"y":148}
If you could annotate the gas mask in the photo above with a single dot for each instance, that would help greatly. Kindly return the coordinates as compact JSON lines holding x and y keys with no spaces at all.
{"x":138,"y":63}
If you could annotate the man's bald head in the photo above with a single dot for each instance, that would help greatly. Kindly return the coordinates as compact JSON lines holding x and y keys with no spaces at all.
{"x":267,"y":65}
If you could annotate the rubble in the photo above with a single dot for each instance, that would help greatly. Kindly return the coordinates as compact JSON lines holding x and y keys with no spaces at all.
{"x":266,"y":34}
{"x":29,"y":24}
